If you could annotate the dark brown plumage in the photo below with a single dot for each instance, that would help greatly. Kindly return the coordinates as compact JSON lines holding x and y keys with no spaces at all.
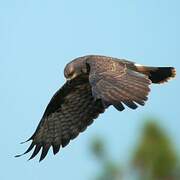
{"x":93,"y":84}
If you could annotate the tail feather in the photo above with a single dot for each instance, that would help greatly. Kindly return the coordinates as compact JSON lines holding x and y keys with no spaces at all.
{"x":158,"y":74}
{"x":162,"y":74}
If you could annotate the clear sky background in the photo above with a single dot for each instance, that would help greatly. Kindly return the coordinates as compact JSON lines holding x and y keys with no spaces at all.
{"x":38,"y":38}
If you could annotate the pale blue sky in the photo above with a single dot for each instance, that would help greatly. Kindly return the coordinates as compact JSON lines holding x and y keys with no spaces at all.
{"x":37,"y":39}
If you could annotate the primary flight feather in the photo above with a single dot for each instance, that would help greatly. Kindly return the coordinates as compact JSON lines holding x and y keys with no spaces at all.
{"x":93,"y":84}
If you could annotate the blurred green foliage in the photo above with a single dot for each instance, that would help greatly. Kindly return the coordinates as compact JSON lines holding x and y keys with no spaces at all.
{"x":98,"y":149}
{"x":154,"y":157}
{"x":110,"y":170}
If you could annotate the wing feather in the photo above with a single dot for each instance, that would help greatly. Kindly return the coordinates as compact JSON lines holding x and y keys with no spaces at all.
{"x":80,"y":101}
{"x":69,"y":112}
{"x":115,"y":84}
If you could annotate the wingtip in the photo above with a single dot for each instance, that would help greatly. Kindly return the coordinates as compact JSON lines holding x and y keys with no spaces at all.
{"x":19,"y":155}
{"x":29,"y":159}
{"x":24,"y":141}
{"x":27,"y":140}
{"x":56,"y":148}
{"x":32,"y":156}
{"x":41,"y":158}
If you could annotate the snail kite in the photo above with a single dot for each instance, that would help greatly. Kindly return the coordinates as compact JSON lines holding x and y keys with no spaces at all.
{"x":93,"y":84}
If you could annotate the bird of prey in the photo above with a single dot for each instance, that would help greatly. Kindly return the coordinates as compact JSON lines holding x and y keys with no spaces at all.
{"x":93,"y":84}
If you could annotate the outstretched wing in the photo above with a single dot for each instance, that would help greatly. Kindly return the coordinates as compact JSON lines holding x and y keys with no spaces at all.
{"x":116,"y":84}
{"x":69,"y":112}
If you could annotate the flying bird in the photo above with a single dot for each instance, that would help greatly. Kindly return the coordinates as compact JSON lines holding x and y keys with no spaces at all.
{"x":93,"y":84}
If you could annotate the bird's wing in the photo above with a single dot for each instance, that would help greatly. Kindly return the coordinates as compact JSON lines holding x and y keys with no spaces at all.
{"x":116,"y":84}
{"x":69,"y":112}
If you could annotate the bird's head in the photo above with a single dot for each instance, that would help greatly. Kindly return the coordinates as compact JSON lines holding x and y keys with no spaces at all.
{"x":75,"y":68}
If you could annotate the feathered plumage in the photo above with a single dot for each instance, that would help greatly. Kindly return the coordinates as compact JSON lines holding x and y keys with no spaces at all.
{"x":94,"y":83}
